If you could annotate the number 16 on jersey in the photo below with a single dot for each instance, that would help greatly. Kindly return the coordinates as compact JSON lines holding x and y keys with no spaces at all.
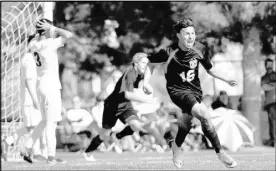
{"x":189,"y":76}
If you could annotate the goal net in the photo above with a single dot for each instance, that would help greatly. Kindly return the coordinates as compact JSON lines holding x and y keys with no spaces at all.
{"x":17,"y":22}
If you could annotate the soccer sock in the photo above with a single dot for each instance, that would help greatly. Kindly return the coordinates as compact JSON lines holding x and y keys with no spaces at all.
{"x":36,"y":133}
{"x":36,"y":147}
{"x":51,"y":140}
{"x":125,"y":132}
{"x":184,"y":127}
{"x":210,"y":132}
{"x":95,"y":143}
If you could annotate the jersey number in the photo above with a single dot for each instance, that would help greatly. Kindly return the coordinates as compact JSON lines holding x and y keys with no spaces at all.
{"x":38,"y":62}
{"x":189,"y":76}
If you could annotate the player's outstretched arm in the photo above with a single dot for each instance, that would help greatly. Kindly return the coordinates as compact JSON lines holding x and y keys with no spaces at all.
{"x":215,"y":73}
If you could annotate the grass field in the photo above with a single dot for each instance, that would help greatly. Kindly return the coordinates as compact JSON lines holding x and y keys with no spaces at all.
{"x":248,"y":159}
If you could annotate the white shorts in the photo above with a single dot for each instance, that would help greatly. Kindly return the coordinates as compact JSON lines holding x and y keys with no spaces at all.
{"x":31,"y":116}
{"x":50,"y":104}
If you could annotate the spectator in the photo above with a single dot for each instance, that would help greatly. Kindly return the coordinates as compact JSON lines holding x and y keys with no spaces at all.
{"x":268,"y":85}
{"x":110,"y":35}
{"x":222,"y":101}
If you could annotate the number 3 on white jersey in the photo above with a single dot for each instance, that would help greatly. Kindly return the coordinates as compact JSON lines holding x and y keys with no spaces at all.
{"x":190,"y":76}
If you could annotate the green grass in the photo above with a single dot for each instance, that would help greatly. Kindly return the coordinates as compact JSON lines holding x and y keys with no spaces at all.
{"x":248,"y":159}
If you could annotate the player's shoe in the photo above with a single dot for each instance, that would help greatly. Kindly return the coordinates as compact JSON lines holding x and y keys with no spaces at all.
{"x":27,"y":155}
{"x":89,"y":157}
{"x":226,"y":160}
{"x":52,"y":160}
{"x":176,"y":155}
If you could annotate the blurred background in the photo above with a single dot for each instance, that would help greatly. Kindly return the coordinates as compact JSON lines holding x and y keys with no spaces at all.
{"x":240,"y":36}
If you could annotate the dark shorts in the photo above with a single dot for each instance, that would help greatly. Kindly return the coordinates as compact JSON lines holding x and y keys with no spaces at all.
{"x":111,"y":115}
{"x":185,"y":100}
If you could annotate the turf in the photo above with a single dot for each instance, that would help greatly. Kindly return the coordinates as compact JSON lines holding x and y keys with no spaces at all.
{"x":260,"y":159}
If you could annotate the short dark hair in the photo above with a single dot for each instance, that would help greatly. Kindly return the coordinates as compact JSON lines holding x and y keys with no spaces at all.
{"x":268,"y":60}
{"x":184,"y":23}
{"x":43,"y":20}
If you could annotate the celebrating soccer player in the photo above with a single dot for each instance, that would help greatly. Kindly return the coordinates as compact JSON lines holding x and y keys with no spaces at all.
{"x":183,"y":86}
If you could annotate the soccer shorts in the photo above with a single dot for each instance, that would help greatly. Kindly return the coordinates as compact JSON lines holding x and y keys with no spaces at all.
{"x":31,"y":116}
{"x":50,"y":104}
{"x":111,"y":115}
{"x":185,"y":100}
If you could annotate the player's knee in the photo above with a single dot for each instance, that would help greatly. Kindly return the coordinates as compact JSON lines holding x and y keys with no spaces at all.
{"x":200,"y":112}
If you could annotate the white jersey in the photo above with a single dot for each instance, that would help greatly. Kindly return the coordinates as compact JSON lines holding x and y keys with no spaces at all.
{"x":46,"y":58}
{"x":28,"y":71}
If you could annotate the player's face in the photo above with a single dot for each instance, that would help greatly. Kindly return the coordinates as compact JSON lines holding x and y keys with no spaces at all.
{"x":141,"y":65}
{"x":187,"y":36}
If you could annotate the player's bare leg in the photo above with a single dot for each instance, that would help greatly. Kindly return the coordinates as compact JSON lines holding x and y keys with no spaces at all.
{"x":200,"y":111}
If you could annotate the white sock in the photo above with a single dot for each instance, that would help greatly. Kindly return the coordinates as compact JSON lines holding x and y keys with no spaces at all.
{"x":38,"y":130}
{"x":43,"y":145}
{"x":36,"y":146}
{"x":50,"y":132}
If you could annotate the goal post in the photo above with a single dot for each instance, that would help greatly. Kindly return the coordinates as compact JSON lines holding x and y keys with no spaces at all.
{"x":17,"y":22}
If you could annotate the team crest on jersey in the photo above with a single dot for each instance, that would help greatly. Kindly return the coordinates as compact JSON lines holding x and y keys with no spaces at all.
{"x":193,"y":63}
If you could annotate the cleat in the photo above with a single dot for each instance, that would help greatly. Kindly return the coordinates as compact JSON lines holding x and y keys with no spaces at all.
{"x":27,"y":155}
{"x":88,"y":157}
{"x":226,"y":160}
{"x":176,"y":155}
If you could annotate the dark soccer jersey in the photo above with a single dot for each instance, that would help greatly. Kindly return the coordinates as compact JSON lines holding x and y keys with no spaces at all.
{"x":182,"y":72}
{"x":128,"y":81}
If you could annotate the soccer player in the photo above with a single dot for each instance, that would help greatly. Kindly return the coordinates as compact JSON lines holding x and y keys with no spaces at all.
{"x":183,"y":86}
{"x":29,"y":104}
{"x":44,"y":48}
{"x":118,"y":105}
